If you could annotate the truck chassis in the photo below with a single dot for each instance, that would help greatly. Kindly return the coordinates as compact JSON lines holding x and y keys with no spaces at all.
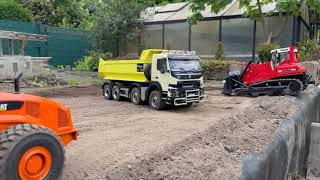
{"x":140,"y":93}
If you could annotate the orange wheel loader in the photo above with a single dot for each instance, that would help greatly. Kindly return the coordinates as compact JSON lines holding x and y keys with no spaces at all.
{"x":33,"y":133}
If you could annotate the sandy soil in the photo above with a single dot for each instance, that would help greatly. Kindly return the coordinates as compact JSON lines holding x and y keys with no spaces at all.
{"x":119,"y":140}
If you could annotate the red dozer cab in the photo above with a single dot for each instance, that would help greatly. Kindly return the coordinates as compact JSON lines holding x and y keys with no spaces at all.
{"x":282,"y":75}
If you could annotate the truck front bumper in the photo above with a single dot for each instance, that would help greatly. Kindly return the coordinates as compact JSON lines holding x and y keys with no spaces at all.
{"x":189,"y":96}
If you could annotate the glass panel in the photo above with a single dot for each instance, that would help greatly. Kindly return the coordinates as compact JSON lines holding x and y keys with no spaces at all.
{"x":204,"y":37}
{"x":280,"y":27}
{"x":176,"y":36}
{"x":304,"y":32}
{"x":151,"y":37}
{"x":237,"y":38}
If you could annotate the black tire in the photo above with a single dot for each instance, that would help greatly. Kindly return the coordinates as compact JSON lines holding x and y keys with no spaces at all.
{"x":155,"y":101}
{"x":295,"y":87}
{"x":147,"y":71}
{"x":226,"y":91}
{"x":116,"y":93}
{"x":17,"y":140}
{"x":107,"y":92}
{"x":135,"y":96}
{"x":189,"y":105}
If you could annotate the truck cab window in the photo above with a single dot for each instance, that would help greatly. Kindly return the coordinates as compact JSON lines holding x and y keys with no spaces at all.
{"x":162,"y":65}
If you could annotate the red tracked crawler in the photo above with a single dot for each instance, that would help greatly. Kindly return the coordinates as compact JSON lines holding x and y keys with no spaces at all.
{"x":33,"y":133}
{"x":282,"y":75}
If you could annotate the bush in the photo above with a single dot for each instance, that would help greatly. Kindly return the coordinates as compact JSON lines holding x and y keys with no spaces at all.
{"x":12,"y":10}
{"x":315,"y":55}
{"x":91,"y":62}
{"x":219,"y":51}
{"x":308,"y":50}
{"x":264,"y":51}
{"x":215,"y":65}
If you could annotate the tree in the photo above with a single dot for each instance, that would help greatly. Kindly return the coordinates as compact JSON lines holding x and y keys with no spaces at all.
{"x":11,"y":10}
{"x":253,"y":10}
{"x":66,"y":13}
{"x":118,"y":19}
{"x":162,"y":2}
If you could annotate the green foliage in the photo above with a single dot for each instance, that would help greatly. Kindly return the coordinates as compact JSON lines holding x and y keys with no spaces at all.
{"x":164,"y":2}
{"x":91,"y":62}
{"x":219,"y":51}
{"x":309,"y":50}
{"x":253,"y":10}
{"x":65,"y":13}
{"x":12,"y":10}
{"x":215,"y":65}
{"x":264,"y":51}
{"x":118,"y":19}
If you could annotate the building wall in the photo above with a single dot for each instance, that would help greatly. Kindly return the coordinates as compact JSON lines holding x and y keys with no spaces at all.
{"x":239,"y":35}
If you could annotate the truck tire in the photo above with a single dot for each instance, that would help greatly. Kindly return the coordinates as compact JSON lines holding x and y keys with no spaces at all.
{"x":147,"y":71}
{"x":135,"y":96}
{"x":107,"y":92}
{"x":116,"y":93}
{"x":155,"y":101}
{"x":30,"y":152}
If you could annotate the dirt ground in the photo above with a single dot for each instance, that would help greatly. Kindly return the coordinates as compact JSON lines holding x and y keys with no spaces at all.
{"x":119,"y":140}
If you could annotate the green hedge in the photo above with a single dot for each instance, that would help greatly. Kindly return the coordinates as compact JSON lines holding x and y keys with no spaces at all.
{"x":264,"y":51}
{"x":12,"y":10}
{"x":91,"y":62}
{"x":215,"y":65}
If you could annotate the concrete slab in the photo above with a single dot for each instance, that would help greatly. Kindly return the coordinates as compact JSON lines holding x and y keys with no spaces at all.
{"x":313,"y":69}
{"x":314,"y":153}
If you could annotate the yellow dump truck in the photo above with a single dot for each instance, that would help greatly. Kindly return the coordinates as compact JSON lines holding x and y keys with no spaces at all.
{"x":160,"y":77}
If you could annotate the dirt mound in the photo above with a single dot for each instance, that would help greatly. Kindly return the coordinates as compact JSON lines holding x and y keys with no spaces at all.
{"x":216,"y":152}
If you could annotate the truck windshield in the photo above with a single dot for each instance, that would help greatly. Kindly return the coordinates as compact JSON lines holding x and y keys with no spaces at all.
{"x":185,"y":65}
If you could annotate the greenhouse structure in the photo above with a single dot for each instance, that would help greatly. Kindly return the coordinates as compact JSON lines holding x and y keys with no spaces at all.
{"x":167,"y":27}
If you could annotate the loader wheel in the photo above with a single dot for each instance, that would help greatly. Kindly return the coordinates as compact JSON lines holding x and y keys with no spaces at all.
{"x":155,"y":100}
{"x":116,"y":93}
{"x":30,"y":152}
{"x":136,"y":96}
{"x":107,"y":92}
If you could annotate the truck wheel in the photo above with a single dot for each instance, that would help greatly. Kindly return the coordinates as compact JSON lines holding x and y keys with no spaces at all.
{"x":107,"y":92}
{"x":155,"y":100}
{"x":189,"y":105}
{"x":116,"y":93}
{"x":30,"y":152}
{"x":136,"y":96}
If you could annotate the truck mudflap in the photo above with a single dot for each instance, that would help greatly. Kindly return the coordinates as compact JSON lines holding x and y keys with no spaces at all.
{"x":191,"y":96}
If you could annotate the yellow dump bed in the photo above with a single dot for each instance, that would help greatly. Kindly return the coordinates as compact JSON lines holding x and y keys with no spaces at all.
{"x":127,"y":70}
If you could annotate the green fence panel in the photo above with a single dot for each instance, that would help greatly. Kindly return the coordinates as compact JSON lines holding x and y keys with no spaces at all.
{"x":65,"y":46}
{"x":32,"y":48}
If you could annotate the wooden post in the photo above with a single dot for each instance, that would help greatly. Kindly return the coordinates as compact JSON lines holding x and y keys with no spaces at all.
{"x":11,"y":47}
{"x":21,"y":47}
{"x":1,"y":51}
